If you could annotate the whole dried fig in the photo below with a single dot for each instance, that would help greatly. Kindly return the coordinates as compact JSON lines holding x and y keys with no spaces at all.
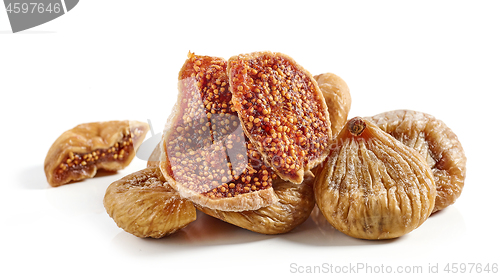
{"x":78,"y":153}
{"x":204,"y":153}
{"x":337,"y":98}
{"x":437,"y":144}
{"x":295,"y":203}
{"x":282,"y":111}
{"x":144,"y":205}
{"x":372,"y":186}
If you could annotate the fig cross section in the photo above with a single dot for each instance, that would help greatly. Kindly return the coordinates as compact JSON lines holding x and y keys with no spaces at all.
{"x":282,"y":111}
{"x":205,"y":155}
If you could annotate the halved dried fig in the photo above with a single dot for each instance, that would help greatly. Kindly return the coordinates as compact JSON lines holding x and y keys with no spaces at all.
{"x":337,"y":98}
{"x":437,"y":144}
{"x":373,"y":186}
{"x":144,"y":205}
{"x":205,"y":155}
{"x":295,"y":203}
{"x":282,"y":111}
{"x":78,"y":153}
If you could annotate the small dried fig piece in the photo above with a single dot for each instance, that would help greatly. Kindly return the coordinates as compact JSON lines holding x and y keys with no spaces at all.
{"x":144,"y":205}
{"x":337,"y":98}
{"x":78,"y":153}
{"x":295,"y":203}
{"x":205,"y":155}
{"x":437,"y":144}
{"x":282,"y":111}
{"x":373,"y":186}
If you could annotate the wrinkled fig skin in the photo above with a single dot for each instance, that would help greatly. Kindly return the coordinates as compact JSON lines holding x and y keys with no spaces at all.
{"x":437,"y":144}
{"x":144,"y":205}
{"x":295,"y":203}
{"x":372,"y":186}
{"x":337,"y":98}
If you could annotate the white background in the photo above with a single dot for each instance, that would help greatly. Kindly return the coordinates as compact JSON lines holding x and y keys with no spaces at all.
{"x":107,"y":60}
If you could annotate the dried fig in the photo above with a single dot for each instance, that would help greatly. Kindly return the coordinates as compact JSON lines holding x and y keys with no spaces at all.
{"x":295,"y":203}
{"x":78,"y":153}
{"x":372,"y":186}
{"x":437,"y":144}
{"x":282,"y":111}
{"x":205,"y":155}
{"x":144,"y":205}
{"x":337,"y":98}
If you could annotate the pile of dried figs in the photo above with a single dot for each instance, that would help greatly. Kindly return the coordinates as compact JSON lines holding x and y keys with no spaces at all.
{"x":257,"y":141}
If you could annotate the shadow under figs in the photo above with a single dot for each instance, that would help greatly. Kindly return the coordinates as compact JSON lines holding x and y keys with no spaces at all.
{"x":208,"y":231}
{"x":205,"y":231}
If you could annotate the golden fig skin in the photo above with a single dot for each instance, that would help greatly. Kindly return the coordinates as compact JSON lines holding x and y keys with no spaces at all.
{"x":144,"y":205}
{"x":295,"y":203}
{"x":372,"y":186}
{"x":437,"y":144}
{"x":337,"y":97}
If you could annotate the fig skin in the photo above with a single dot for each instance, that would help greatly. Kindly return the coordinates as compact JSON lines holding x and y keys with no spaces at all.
{"x":144,"y":205}
{"x":295,"y":203}
{"x":337,"y":97}
{"x":437,"y":144}
{"x":372,"y":186}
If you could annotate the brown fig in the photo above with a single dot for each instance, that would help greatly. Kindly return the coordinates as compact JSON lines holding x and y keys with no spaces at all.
{"x":78,"y":153}
{"x":372,"y":186}
{"x":437,"y":144}
{"x":144,"y":205}
{"x":337,"y":98}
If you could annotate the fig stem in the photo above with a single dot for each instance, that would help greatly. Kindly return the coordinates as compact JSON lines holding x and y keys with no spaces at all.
{"x":356,"y":126}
